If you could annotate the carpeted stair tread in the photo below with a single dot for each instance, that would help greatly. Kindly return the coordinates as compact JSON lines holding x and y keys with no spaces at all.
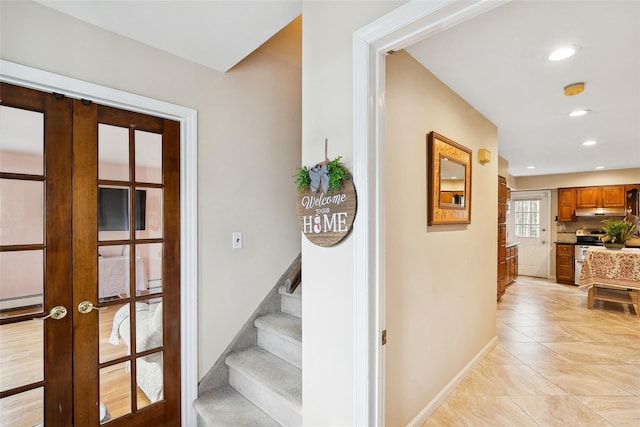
{"x":286,"y":325}
{"x":275,"y":374}
{"x":295,"y":294}
{"x":226,"y":407}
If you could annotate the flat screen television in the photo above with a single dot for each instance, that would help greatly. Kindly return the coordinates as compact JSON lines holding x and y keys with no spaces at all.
{"x":113,"y":209}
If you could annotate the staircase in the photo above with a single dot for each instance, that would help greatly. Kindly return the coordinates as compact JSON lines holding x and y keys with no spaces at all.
{"x":264,"y":380}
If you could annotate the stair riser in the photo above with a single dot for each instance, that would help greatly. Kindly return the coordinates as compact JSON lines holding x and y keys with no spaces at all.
{"x":283,"y":348}
{"x":276,"y":406}
{"x":291,"y":305}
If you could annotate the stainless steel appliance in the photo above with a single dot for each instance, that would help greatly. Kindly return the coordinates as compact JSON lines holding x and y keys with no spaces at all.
{"x":584,"y":240}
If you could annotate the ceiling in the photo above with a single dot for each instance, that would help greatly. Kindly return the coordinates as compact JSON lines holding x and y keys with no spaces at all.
{"x":215,"y":33}
{"x":496,"y":62}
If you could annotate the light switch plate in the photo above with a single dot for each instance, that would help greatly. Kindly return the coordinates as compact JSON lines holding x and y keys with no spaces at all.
{"x":237,"y":240}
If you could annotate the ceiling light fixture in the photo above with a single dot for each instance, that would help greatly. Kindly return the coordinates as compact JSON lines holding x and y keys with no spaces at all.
{"x":599,"y":167}
{"x":531,"y":167}
{"x":562,"y":53}
{"x":590,"y":142}
{"x":578,"y":113}
{"x":574,"y":89}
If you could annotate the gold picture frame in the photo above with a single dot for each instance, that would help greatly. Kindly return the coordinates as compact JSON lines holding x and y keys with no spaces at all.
{"x":448,"y":181}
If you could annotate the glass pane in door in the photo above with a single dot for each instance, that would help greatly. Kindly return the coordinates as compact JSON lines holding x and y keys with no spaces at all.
{"x":148,"y":157}
{"x":114,"y":325}
{"x":114,"y":271}
{"x":113,"y":153}
{"x":113,"y":213}
{"x":21,"y":212}
{"x":149,"y":268}
{"x":21,"y":141}
{"x":21,"y":354}
{"x":21,"y":282}
{"x":23,"y":409}
{"x":148,"y":213}
{"x":150,"y":379}
{"x":115,"y":391}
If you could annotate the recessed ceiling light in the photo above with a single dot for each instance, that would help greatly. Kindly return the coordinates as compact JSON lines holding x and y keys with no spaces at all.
{"x":562,"y":53}
{"x":590,"y":142}
{"x":531,"y":167}
{"x":599,"y":167}
{"x":578,"y":113}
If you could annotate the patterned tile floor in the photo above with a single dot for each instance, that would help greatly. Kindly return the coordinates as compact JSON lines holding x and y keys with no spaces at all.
{"x":556,"y":363}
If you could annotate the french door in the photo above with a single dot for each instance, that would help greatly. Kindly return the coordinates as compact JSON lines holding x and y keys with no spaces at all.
{"x":89,"y":264}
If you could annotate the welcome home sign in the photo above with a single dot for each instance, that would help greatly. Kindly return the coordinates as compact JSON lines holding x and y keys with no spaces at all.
{"x":326,"y":216}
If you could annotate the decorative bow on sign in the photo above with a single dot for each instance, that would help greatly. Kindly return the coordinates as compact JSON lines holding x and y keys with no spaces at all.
{"x":319,"y":175}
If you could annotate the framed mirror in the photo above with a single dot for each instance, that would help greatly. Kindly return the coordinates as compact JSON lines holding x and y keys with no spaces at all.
{"x":448,"y":181}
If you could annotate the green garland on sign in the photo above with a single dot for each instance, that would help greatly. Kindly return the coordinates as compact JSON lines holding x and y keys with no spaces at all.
{"x":337,"y":172}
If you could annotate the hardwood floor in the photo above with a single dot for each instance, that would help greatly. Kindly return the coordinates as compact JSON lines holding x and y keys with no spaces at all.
{"x":556,"y":363}
{"x":21,"y":363}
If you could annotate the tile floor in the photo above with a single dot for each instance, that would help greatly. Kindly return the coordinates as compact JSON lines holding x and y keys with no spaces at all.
{"x":556,"y":363}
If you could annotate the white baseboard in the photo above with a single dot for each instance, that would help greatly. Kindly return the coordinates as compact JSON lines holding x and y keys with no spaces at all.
{"x":431,"y":407}
{"x":26,"y":301}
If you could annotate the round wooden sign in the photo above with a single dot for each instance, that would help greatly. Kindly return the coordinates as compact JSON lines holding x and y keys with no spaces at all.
{"x":326,"y":218}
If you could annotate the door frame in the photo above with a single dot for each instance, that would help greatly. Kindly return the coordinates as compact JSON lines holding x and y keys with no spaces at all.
{"x":408,"y":24}
{"x":188,"y":118}
{"x":545,"y":236}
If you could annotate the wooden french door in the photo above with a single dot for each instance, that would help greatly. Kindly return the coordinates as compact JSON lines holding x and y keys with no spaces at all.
{"x":90,"y":264}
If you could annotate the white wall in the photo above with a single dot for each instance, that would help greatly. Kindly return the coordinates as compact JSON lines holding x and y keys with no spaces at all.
{"x":440,"y":280}
{"x":248,"y":146}
{"x":327,"y":306}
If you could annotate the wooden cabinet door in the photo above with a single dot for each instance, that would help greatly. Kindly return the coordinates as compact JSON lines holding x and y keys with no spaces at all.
{"x":564,"y":263}
{"x":613,"y":196}
{"x":566,"y":204}
{"x":587,"y":197}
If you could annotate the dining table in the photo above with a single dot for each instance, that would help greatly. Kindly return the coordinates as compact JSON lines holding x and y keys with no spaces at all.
{"x":611,"y":275}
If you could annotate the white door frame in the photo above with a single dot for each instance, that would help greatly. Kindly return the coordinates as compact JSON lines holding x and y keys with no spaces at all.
{"x":49,"y":82}
{"x":411,"y":22}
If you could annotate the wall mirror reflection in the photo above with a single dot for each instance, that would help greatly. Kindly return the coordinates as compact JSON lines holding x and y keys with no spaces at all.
{"x":448,"y":181}
{"x":451,"y":182}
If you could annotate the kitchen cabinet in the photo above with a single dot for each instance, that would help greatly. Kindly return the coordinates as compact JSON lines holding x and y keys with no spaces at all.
{"x":502,"y":236}
{"x":570,"y":199}
{"x":632,"y":201}
{"x":565,"y":263}
{"x":612,"y":196}
{"x":566,"y":204}
{"x":511,"y":264}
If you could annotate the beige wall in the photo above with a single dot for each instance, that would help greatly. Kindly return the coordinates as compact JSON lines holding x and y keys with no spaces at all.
{"x":582,"y":179}
{"x":440,"y":280}
{"x":248,"y":146}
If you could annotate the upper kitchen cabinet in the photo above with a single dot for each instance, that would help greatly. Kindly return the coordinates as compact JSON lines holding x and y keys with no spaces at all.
{"x":591,"y":201}
{"x":566,"y":204}
{"x":612,"y":196}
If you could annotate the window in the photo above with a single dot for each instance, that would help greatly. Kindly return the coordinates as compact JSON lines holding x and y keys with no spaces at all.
{"x":527,"y":218}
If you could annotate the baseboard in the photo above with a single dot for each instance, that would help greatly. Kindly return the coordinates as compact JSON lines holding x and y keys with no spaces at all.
{"x":431,"y":407}
{"x":18,"y":302}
